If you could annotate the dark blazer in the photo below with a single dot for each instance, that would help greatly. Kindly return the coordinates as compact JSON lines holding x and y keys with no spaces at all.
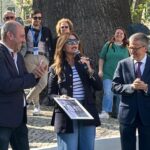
{"x":12,"y":85}
{"x":62,"y":123}
{"x":133,"y":101}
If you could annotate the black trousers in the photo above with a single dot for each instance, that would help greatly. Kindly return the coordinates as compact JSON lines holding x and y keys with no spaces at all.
{"x":17,"y":137}
{"x":128,"y":135}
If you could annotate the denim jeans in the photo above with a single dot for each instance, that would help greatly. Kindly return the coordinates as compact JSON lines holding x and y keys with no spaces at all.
{"x":83,"y":138}
{"x":107,"y":101}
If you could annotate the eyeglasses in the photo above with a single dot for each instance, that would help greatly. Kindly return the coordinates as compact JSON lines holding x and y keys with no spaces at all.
{"x":37,"y":18}
{"x":64,"y":27}
{"x":9,"y":18}
{"x":135,"y":48}
{"x":72,"y":42}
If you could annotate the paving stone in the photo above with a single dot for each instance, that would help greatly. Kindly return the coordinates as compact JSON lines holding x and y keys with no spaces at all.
{"x":41,"y":133}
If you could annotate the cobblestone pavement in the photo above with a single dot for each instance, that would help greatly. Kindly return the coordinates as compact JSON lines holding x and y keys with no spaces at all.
{"x":41,"y":134}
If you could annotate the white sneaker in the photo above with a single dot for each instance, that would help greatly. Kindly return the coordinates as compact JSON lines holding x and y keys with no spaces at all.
{"x":104,"y":115}
{"x":36,"y":111}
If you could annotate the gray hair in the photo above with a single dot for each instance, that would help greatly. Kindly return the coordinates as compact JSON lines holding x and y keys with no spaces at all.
{"x":140,"y":37}
{"x":8,"y":11}
{"x":9,"y":26}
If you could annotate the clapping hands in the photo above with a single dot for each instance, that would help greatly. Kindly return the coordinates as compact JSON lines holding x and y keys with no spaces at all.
{"x":138,"y":84}
{"x":40,"y":70}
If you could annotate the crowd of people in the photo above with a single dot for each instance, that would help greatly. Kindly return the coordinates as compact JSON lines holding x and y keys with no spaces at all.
{"x":31,"y":58}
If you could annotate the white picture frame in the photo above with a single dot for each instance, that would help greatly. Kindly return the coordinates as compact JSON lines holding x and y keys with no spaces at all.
{"x":73,"y":108}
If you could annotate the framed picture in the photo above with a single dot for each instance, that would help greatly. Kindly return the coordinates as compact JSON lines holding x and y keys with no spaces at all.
{"x":73,"y":108}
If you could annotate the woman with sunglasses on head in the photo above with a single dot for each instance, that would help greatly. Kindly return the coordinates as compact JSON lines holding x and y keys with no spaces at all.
{"x":72,"y":75}
{"x":112,"y":52}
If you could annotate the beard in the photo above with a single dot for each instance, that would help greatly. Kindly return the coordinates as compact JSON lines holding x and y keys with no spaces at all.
{"x":17,"y":45}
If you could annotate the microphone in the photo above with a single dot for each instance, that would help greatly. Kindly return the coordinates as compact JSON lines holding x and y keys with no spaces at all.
{"x":78,"y":56}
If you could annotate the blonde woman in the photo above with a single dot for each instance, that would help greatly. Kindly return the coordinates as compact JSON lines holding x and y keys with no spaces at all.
{"x":63,"y":25}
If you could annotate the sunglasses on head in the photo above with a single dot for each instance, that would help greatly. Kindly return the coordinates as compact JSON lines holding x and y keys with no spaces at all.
{"x":9,"y":18}
{"x":64,"y":27}
{"x":37,"y":18}
{"x":72,"y":42}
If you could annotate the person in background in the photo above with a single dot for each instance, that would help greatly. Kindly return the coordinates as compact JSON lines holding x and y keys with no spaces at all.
{"x":63,"y":25}
{"x":14,"y":78}
{"x":73,"y":76}
{"x":9,"y":15}
{"x":39,"y":46}
{"x":113,"y":51}
{"x":132,"y":80}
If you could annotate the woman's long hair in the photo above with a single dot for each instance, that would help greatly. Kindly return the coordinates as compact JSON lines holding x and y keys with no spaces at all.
{"x":125,"y":40}
{"x":60,"y":56}
{"x":68,"y":21}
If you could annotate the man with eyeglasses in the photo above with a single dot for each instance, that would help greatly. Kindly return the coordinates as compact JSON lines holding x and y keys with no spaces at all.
{"x":9,"y":15}
{"x":132,"y":81}
{"x":39,"y":48}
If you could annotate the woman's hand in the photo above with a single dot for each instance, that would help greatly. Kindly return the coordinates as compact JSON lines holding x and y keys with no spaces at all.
{"x":65,"y":96}
{"x":100,"y":73}
{"x":86,"y":60}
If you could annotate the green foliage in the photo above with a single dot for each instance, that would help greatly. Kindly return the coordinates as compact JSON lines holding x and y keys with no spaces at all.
{"x":141,"y":13}
{"x":25,"y":7}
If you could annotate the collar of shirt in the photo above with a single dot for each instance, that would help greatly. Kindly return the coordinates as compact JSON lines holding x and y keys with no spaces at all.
{"x":143,"y":60}
{"x":142,"y":67}
{"x":10,"y":50}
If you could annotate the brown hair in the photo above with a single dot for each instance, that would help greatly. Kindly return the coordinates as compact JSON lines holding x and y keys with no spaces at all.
{"x":34,"y":12}
{"x":60,"y":56}
{"x":68,"y":21}
{"x":125,"y":40}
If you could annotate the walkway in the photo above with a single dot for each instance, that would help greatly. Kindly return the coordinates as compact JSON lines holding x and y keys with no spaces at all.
{"x":41,"y":134}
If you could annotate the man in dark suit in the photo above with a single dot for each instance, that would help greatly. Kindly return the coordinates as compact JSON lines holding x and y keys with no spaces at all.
{"x":14,"y":78}
{"x":132,"y":81}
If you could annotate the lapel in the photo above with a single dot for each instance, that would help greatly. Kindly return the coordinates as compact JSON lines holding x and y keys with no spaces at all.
{"x":146,"y":72}
{"x":19,"y":64}
{"x":130,"y":64}
{"x":9,"y":60}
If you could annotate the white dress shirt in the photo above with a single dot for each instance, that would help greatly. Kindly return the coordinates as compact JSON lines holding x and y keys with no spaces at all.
{"x":142,"y":67}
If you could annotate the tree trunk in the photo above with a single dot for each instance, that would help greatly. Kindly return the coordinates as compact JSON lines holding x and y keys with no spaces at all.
{"x":94,"y":20}
{"x":137,"y":2}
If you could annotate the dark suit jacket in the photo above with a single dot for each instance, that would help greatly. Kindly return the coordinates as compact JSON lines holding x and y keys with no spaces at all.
{"x":12,"y":85}
{"x":133,"y":101}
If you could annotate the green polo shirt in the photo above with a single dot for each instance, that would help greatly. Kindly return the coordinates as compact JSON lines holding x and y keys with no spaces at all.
{"x":111,"y":57}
